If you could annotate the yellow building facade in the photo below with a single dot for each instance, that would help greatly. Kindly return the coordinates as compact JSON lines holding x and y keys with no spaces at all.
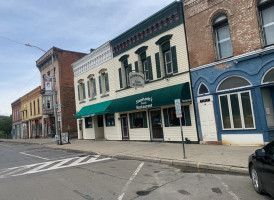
{"x":31,"y":113}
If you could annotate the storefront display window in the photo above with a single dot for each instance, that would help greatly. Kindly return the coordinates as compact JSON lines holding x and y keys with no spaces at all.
{"x":138,"y":120}
{"x":110,"y":121}
{"x":236,"y":110}
{"x":88,"y":122}
{"x":172,"y":120}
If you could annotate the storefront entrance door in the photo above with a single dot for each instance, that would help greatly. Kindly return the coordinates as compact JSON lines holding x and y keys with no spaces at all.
{"x":156,"y":125}
{"x":124,"y":125}
{"x":207,"y":118}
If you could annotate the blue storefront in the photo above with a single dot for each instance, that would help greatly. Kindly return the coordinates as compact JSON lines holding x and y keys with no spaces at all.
{"x":234,"y":99}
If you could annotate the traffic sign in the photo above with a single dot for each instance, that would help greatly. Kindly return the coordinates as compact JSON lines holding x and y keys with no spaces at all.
{"x":178,"y":108}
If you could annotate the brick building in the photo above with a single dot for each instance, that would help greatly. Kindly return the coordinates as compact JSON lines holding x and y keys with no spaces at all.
{"x":16,"y":119}
{"x":231,"y":56}
{"x":64,"y":86}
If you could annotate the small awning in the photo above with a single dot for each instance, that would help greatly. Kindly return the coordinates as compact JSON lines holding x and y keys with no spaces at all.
{"x":154,"y":98}
{"x":92,"y":110}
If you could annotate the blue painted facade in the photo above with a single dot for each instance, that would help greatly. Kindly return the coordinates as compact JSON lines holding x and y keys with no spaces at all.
{"x":251,"y":67}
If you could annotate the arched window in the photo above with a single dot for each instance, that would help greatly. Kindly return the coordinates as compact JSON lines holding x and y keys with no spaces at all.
{"x":203,"y":89}
{"x":233,"y":82}
{"x":222,"y":39}
{"x":269,"y":76}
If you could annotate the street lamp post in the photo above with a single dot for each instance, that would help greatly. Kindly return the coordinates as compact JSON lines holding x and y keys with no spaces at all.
{"x":54,"y":93}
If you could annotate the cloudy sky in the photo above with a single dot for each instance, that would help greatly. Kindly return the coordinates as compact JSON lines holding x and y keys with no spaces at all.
{"x":75,"y":25}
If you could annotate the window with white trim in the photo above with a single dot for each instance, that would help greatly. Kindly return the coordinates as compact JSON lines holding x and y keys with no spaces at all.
{"x":92,"y":88}
{"x":237,"y":111}
{"x":222,"y":38}
{"x":269,"y":76}
{"x":81,"y":91}
{"x":203,"y":89}
{"x":146,"y":72}
{"x":103,"y":83}
{"x":266,"y":15}
{"x":233,"y":82}
{"x":168,"y":62}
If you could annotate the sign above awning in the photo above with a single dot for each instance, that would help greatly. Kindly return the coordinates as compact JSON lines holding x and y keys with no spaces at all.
{"x":154,"y":98}
{"x":93,"y":110}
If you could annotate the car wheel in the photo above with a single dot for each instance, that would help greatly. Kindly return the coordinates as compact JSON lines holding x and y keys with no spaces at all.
{"x":256,"y":180}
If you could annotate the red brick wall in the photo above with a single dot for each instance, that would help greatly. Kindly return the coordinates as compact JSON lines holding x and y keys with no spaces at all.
{"x":243,"y":23}
{"x":65,"y":59}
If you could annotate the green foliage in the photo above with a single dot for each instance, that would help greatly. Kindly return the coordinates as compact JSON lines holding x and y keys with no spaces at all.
{"x":5,"y":125}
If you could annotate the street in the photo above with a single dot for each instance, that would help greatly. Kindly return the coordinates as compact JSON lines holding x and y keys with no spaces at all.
{"x":31,"y":171}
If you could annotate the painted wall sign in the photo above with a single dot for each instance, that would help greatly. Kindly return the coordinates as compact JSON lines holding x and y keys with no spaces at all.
{"x":136,"y":79}
{"x":144,"y":103}
{"x":223,"y":66}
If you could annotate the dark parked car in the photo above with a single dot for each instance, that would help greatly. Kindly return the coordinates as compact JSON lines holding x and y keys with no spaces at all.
{"x":261,"y":169}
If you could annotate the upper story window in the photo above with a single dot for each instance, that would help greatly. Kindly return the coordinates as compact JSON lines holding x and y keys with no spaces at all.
{"x":91,"y":86}
{"x":103,"y":81}
{"x":144,"y":62}
{"x":47,"y":102}
{"x":222,"y":38}
{"x":124,"y":71}
{"x":38,"y":104}
{"x":30,"y":109}
{"x":81,"y":90}
{"x":34,"y":108}
{"x":166,"y":59}
{"x":266,"y":14}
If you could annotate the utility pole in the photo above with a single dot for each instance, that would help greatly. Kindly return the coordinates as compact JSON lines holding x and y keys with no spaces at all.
{"x":54,"y":93}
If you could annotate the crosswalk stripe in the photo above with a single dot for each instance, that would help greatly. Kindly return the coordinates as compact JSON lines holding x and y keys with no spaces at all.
{"x":50,"y":165}
{"x":60,"y":164}
{"x":76,"y":162}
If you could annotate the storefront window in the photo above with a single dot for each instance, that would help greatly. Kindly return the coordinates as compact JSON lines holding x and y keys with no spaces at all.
{"x":110,"y":120}
{"x":88,"y":122}
{"x":138,"y":120}
{"x":236,"y":111}
{"x":172,"y":120}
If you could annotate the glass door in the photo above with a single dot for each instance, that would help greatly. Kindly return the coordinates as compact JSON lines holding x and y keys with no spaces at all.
{"x":156,"y":125}
{"x":124,"y":125}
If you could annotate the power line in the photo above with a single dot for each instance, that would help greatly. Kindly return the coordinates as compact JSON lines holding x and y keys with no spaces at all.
{"x":11,"y":40}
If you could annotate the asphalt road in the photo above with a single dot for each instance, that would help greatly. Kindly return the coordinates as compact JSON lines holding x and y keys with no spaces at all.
{"x":33,"y":172}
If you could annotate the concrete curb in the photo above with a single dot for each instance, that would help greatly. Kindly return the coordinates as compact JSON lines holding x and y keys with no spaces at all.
{"x":183,"y":163}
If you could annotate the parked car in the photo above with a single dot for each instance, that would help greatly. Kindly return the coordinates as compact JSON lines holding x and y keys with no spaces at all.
{"x":261,"y":169}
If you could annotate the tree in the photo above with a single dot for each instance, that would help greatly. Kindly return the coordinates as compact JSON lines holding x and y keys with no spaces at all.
{"x":5,"y":124}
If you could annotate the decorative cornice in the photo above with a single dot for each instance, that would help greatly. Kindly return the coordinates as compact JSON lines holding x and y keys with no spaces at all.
{"x":141,"y":49}
{"x":163,"y":39}
{"x":166,"y":19}
{"x":80,"y":81}
{"x":96,"y":57}
{"x":103,"y":70}
{"x":90,"y":76}
{"x":123,"y":57}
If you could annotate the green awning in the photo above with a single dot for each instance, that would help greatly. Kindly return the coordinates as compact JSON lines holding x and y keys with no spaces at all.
{"x":154,"y":98}
{"x":92,"y":110}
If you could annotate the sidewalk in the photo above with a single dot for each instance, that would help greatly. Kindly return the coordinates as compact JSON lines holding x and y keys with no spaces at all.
{"x":216,"y":157}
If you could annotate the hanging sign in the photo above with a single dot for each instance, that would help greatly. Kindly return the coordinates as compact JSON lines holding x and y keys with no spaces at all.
{"x":48,"y":83}
{"x":136,"y":79}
